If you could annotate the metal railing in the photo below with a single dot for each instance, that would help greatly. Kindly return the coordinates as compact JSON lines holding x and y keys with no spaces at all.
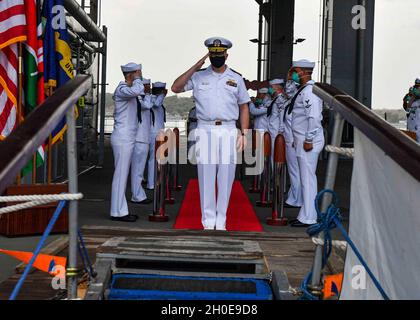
{"x":18,"y":148}
{"x":398,"y":146}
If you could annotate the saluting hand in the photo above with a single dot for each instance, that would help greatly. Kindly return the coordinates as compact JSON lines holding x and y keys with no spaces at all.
{"x":202,"y":61}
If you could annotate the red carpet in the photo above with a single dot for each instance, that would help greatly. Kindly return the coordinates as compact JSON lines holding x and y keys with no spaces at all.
{"x":240,"y":215}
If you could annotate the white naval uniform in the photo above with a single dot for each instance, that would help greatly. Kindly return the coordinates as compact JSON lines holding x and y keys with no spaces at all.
{"x":275,"y":120}
{"x":217,"y":96}
{"x":260,"y":115}
{"x":306,"y":125}
{"x":158,"y":126}
{"x":294,"y":196}
{"x":122,"y":140}
{"x":416,"y":106}
{"x":141,"y":149}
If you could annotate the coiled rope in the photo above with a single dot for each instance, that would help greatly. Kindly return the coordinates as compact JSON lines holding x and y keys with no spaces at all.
{"x":327,"y":221}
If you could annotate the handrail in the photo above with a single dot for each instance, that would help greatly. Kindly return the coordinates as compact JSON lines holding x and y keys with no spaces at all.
{"x":398,"y":146}
{"x":18,"y":148}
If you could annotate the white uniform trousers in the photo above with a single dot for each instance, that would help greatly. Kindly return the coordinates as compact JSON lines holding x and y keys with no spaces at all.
{"x":151,"y":162}
{"x":294,"y":196}
{"x":122,"y":159}
{"x":216,"y":164}
{"x":138,"y":164}
{"x":308,"y":162}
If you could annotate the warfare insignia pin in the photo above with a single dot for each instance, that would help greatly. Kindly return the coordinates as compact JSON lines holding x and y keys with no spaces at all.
{"x":232,"y":83}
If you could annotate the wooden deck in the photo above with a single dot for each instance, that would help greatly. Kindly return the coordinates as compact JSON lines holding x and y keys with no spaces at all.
{"x":290,"y":253}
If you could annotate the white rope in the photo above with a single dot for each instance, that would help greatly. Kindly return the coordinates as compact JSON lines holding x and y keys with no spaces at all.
{"x":347,"y":152}
{"x":30,"y":201}
{"x":336,"y":243}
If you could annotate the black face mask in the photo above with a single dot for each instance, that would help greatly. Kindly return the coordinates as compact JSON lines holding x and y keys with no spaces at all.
{"x":218,"y":61}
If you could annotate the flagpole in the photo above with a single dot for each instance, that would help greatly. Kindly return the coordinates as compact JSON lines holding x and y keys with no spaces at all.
{"x":34,"y":169}
{"x":20,"y":98}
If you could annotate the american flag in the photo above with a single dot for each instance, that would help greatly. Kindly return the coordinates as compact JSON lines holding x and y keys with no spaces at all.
{"x":12,"y":31}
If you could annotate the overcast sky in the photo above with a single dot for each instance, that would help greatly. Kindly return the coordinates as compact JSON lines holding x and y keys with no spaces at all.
{"x":167,"y":37}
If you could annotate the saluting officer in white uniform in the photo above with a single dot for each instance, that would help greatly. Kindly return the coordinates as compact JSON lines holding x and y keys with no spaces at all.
{"x":259,"y":108}
{"x":141,"y":147}
{"x":308,"y":138}
{"x":124,"y":136}
{"x":294,"y":196}
{"x":221,"y":98}
{"x":158,"y":124}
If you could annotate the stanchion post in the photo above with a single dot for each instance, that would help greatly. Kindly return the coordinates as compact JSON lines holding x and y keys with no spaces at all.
{"x":255,"y":187}
{"x":265,"y":188}
{"x":159,"y":214}
{"x":279,"y":176}
{"x":176,"y":185}
{"x":169,"y":168}
{"x":72,"y":271}
{"x":326,"y":200}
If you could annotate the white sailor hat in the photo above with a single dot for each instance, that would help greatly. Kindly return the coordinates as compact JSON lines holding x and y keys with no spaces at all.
{"x":159,"y":85}
{"x":276,"y":81}
{"x":418,"y":81}
{"x":131,"y":67}
{"x":217,"y":44}
{"x":303,"y":64}
{"x":263,"y":90}
{"x":146,"y":81}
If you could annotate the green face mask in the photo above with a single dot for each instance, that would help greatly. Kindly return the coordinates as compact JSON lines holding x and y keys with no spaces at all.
{"x":259,"y":101}
{"x":295,"y":77}
{"x":416,"y":92}
{"x":270,"y":91}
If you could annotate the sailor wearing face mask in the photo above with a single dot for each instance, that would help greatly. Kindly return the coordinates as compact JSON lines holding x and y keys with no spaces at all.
{"x":294,"y":196}
{"x":221,"y":98}
{"x":308,"y":137}
{"x":126,"y":118}
{"x":275,"y":110}
{"x":141,"y":147}
{"x":158,"y":124}
{"x":259,"y":110}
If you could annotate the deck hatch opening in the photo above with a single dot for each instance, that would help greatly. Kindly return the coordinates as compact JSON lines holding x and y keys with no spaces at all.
{"x":186,"y":266}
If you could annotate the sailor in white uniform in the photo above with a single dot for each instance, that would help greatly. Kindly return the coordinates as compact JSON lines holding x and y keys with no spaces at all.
{"x":158,"y":124}
{"x":123,"y":137}
{"x":141,"y":146}
{"x":275,"y":110}
{"x":294,"y":196}
{"x":258,"y":110}
{"x":412,"y":105}
{"x":221,"y":99}
{"x":308,"y":137}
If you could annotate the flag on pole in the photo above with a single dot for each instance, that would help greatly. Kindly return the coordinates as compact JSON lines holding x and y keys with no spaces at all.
{"x":58,"y":67}
{"x":34,"y":94}
{"x":12,"y":22}
{"x":12,"y":31}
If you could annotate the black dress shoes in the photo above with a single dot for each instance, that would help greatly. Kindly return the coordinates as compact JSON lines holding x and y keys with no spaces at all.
{"x":298,"y":224}
{"x":127,"y":218}
{"x":145,"y":201}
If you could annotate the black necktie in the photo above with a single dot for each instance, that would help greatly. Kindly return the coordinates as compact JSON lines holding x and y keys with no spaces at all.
{"x":164,"y":113}
{"x":138,"y":109}
{"x":152,"y":116}
{"x":270,"y":108}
